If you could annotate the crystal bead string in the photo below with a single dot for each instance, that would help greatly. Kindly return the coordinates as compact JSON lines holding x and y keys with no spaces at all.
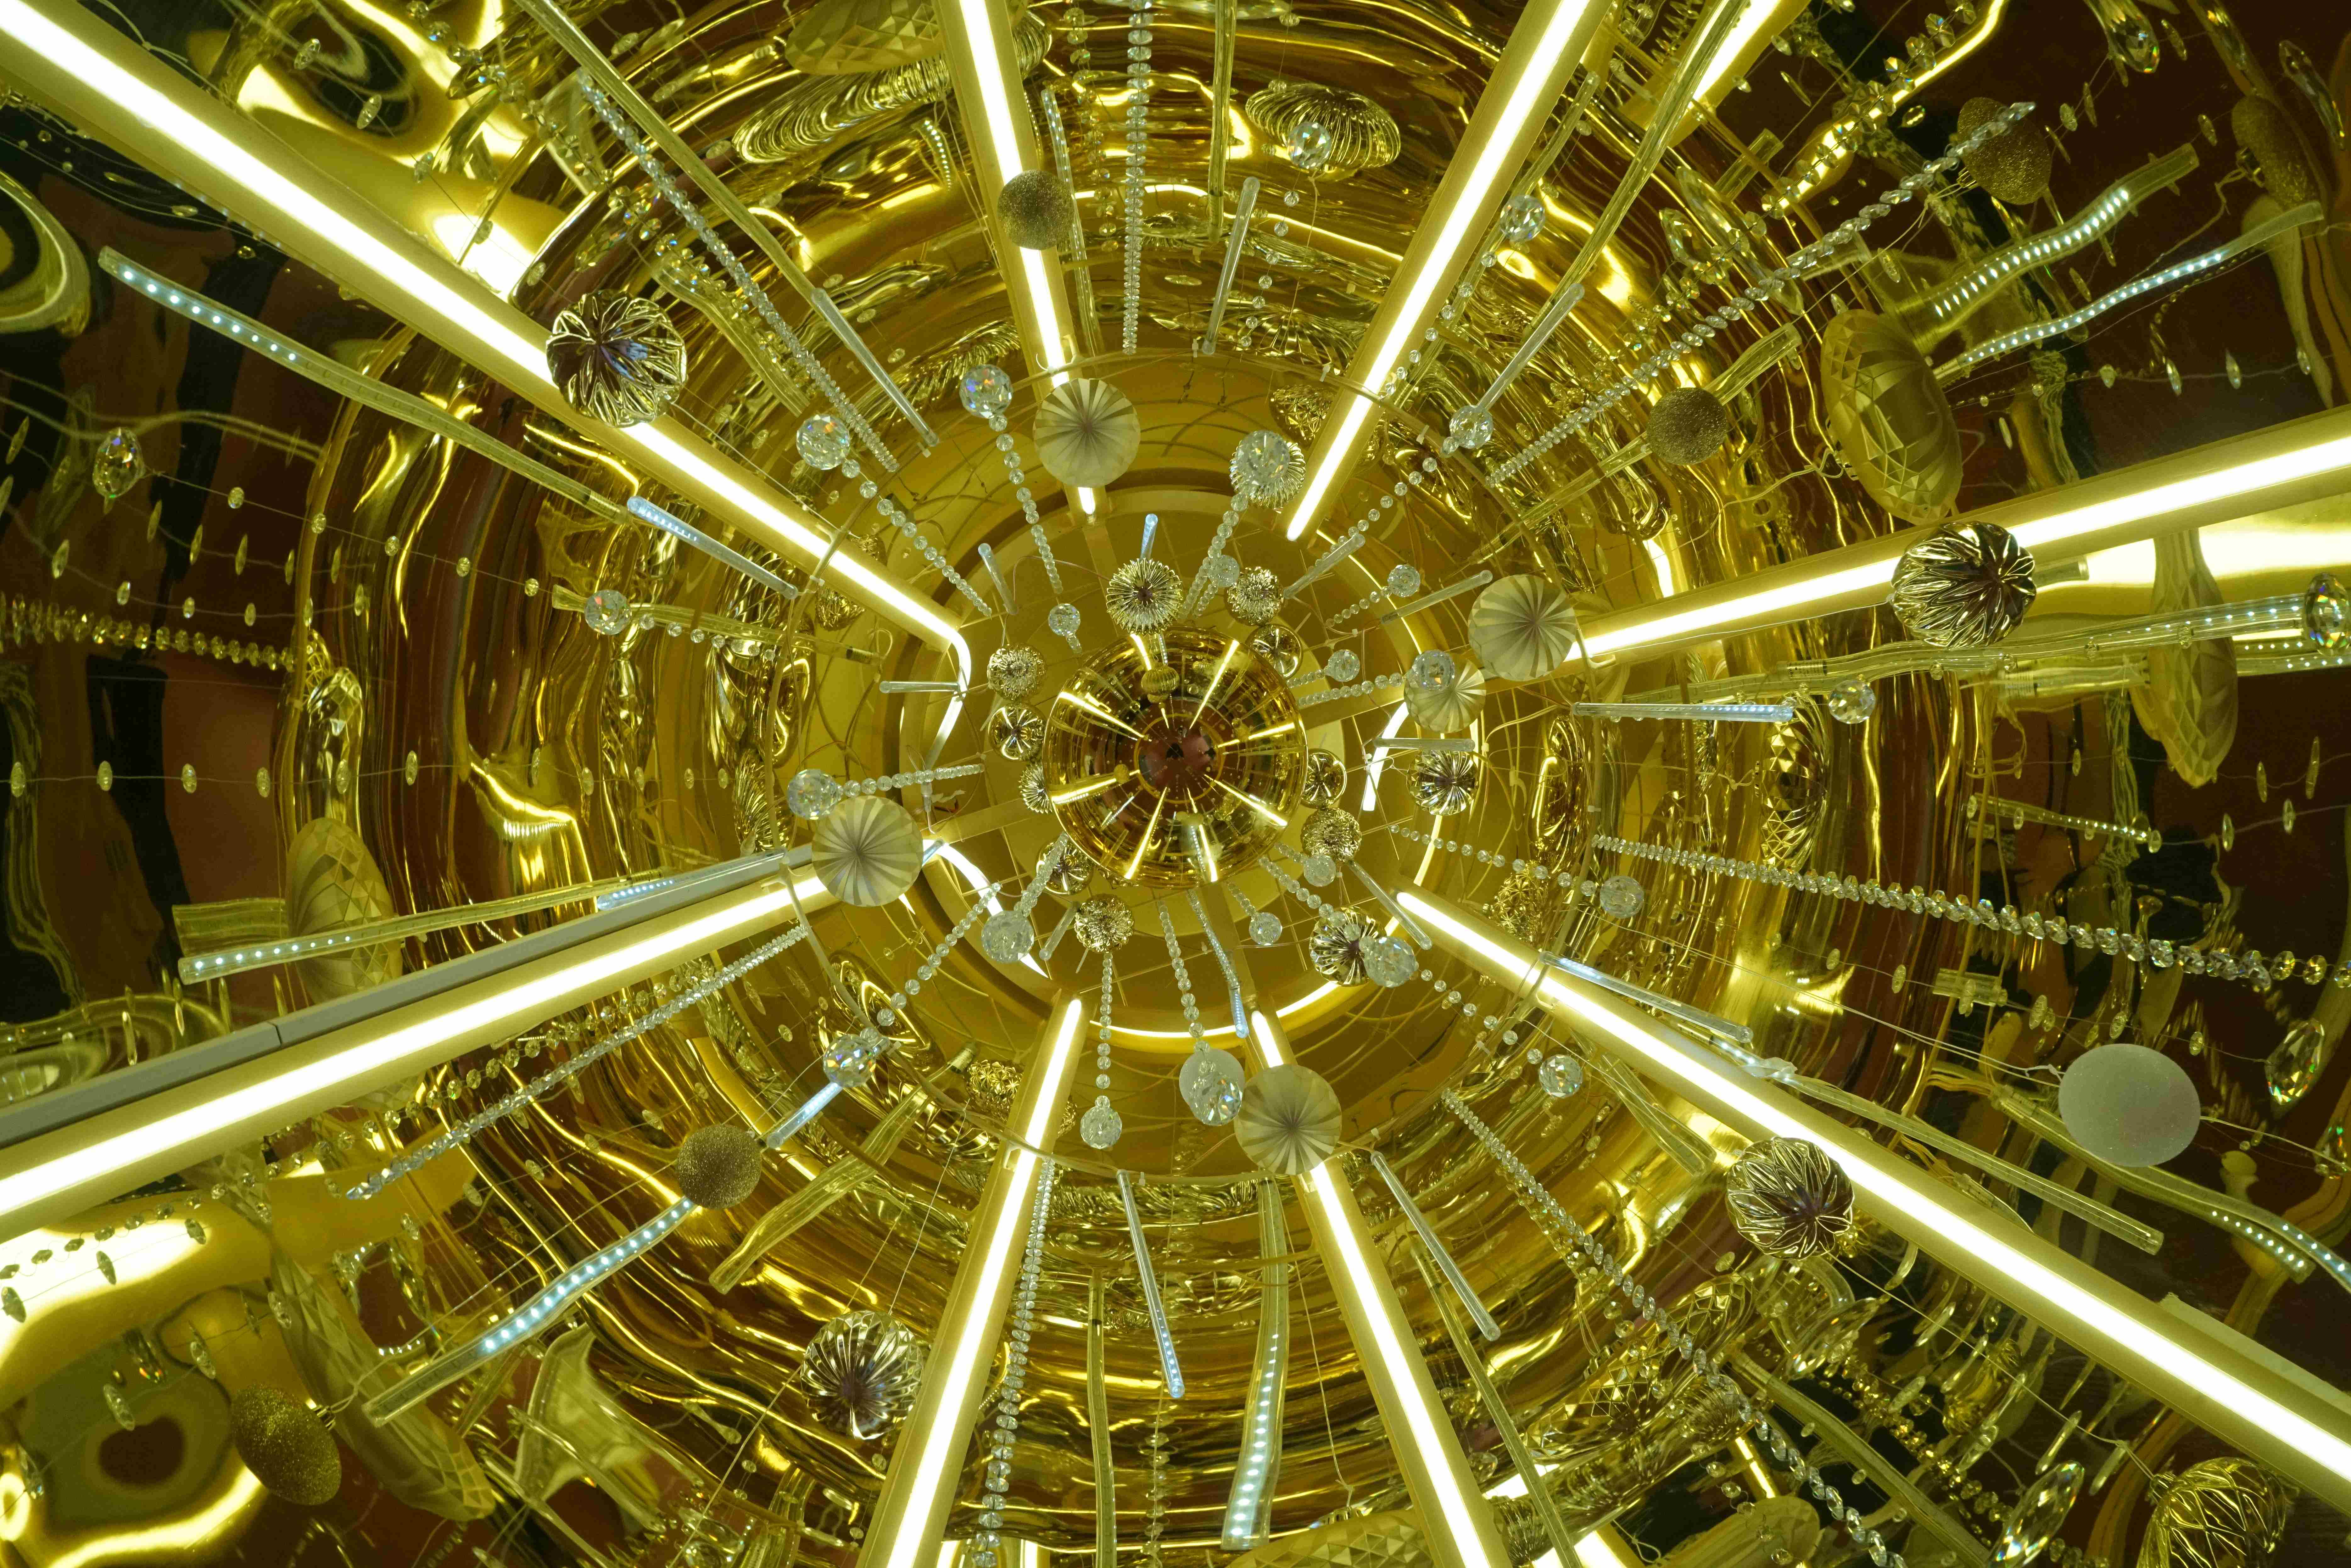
{"x":1025,"y":495}
{"x":1560,"y":1224}
{"x":467,"y":1131}
{"x":896,"y":516}
{"x":1154,"y":1493}
{"x":888,"y":1012}
{"x":1576,"y":887}
{"x":1201,"y":580}
{"x":1357,"y":689}
{"x":813,"y":792}
{"x":1761,"y":289}
{"x":1101,"y":1041}
{"x":1402,"y":583}
{"x":2249,"y":967}
{"x":1263,"y":926}
{"x":658,"y":173}
{"x":1138,"y":137}
{"x":1011,"y":936}
{"x":996,"y":1475}
{"x":1183,"y":980}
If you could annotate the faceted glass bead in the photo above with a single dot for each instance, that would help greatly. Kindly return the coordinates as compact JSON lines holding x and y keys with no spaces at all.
{"x":1211,"y":1083}
{"x":1265,"y":929}
{"x":824,"y":440}
{"x":1522,"y":218}
{"x":849,"y":1060}
{"x":1403,"y":579}
{"x":1471,"y":427}
{"x":1267,"y":469}
{"x":1388,"y":961}
{"x":811,"y":793}
{"x":1318,"y":870}
{"x":1007,"y":937}
{"x":1062,"y":620}
{"x":2324,"y":605}
{"x":1309,"y":145}
{"x":1431,"y":670}
{"x":1343,"y":665}
{"x":606,"y":610}
{"x":986,"y":391}
{"x":1561,"y":1075}
{"x":1621,"y":897}
{"x":118,"y":463}
{"x":1851,"y":702}
{"x":1100,"y":1126}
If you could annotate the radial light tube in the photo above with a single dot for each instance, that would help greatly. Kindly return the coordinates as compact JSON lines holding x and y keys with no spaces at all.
{"x":1249,"y":1505}
{"x":1487,"y":1326}
{"x":1169,"y":1367}
{"x":1236,"y":244}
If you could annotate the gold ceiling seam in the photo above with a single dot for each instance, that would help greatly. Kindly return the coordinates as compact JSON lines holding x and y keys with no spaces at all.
{"x":2301,"y":460}
{"x":1545,"y":47}
{"x":70,"y":60}
{"x":1458,"y":1525}
{"x":926,"y":1466}
{"x":2232,"y":1396}
{"x":152,"y":1119}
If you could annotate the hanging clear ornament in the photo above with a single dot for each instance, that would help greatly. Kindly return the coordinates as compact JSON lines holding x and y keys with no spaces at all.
{"x":849,"y":1060}
{"x":812,"y":793}
{"x":1100,"y":1126}
{"x":986,"y":391}
{"x":1211,"y":1083}
{"x":824,"y":440}
{"x":1560,"y":1075}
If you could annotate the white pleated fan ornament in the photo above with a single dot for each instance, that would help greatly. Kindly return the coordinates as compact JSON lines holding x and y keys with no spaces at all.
{"x":1087,"y":434}
{"x":867,"y":851}
{"x":1522,"y":628}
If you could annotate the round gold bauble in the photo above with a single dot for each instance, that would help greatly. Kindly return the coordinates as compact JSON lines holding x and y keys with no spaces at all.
{"x":615,"y":357}
{"x":1101,"y":923}
{"x":1131,"y":773}
{"x":1014,"y":671}
{"x":2218,"y":1514}
{"x":1444,"y":782}
{"x":1449,"y":705}
{"x":1032,"y":789}
{"x":866,"y":851}
{"x":1142,"y":595}
{"x":1256,"y":597}
{"x":284,"y":1443}
{"x":1363,"y":135}
{"x":1522,"y":627}
{"x":1787,"y":1197}
{"x":1071,"y":873}
{"x":2262,"y":128}
{"x":332,"y":883}
{"x":1278,"y":646}
{"x":1087,"y":433}
{"x":1330,"y":832}
{"x":1034,"y":207}
{"x":1888,"y":416}
{"x":2012,"y":165}
{"x":717,"y":1167}
{"x":861,"y":1371}
{"x":1326,"y":775}
{"x":1963,"y":587}
{"x":1687,"y":425}
{"x":1335,"y":950}
{"x":1016,"y":732}
{"x":1289,"y":1120}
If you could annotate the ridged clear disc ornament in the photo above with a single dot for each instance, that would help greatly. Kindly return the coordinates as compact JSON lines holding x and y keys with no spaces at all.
{"x":1522,"y":628}
{"x":1621,"y":897}
{"x":1007,"y":937}
{"x":824,"y":440}
{"x":985,"y":390}
{"x":1561,"y":1075}
{"x":1447,"y":703}
{"x":867,"y":852}
{"x":1267,"y":469}
{"x":1100,"y":1126}
{"x":1087,"y":433}
{"x":1289,"y":1120}
{"x":1388,"y":961}
{"x":1211,"y":1083}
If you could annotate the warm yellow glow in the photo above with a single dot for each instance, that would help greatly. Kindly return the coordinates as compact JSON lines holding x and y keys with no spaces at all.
{"x":1893,"y":1187}
{"x":1752,"y":21}
{"x":1004,"y":151}
{"x":222,"y":1519}
{"x":498,"y":261}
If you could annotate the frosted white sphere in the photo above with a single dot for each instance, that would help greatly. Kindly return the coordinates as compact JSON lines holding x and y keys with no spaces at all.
{"x":2129,"y":1105}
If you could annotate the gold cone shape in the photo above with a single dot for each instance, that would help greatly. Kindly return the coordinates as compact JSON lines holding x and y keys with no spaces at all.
{"x":1087,"y":434}
{"x":867,"y":851}
{"x":1522,"y":628}
{"x":1289,"y":1120}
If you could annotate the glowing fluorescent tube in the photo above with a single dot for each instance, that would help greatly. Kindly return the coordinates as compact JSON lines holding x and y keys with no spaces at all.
{"x":686,"y":533}
{"x":1169,"y":1368}
{"x":1428,"y":1239}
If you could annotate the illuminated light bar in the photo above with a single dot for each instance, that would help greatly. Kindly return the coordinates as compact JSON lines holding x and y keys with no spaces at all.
{"x":1545,"y":47}
{"x":1420,"y":938}
{"x":910,"y":1515}
{"x":2242,"y":1402}
{"x":1458,"y":1527}
{"x":686,"y":533}
{"x":1236,"y":244}
{"x":1249,"y":1507}
{"x":67,"y":59}
{"x":2301,"y":460}
{"x":1170,"y":1369}
{"x":1424,"y":743}
{"x":1446,"y":1265}
{"x":198,"y":967}
{"x":1704,"y":713}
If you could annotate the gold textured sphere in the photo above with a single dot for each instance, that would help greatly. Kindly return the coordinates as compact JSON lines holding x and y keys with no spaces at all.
{"x":1363,"y":135}
{"x":1256,"y":598}
{"x":2218,"y":1514}
{"x":1131,"y":773}
{"x":1449,"y":705}
{"x":2012,"y":165}
{"x":1014,"y":671}
{"x":1444,"y":782}
{"x":1101,"y":923}
{"x":1016,"y":732}
{"x":717,"y":1167}
{"x":866,"y":851}
{"x":1087,"y":433}
{"x":1789,"y":1198}
{"x":1963,"y":587}
{"x":285,"y":1446}
{"x":1326,"y":775}
{"x":2262,"y":128}
{"x":1144,"y":595}
{"x":615,"y":357}
{"x":1035,"y":209}
{"x":1888,"y":416}
{"x":1330,"y":831}
{"x":1687,"y":425}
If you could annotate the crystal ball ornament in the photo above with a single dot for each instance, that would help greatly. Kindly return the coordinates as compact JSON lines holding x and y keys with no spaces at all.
{"x":811,"y":793}
{"x":1343,"y":665}
{"x":986,"y":391}
{"x":1789,"y":1197}
{"x":849,"y":1060}
{"x":1319,"y":869}
{"x":1851,"y":702}
{"x":1522,"y":218}
{"x":823,"y":441}
{"x":1403,"y":579}
{"x":1007,"y":937}
{"x":1621,"y":898}
{"x":117,"y":464}
{"x":1388,"y":961}
{"x":1965,"y":586}
{"x":1100,"y":1126}
{"x":606,"y":610}
{"x":1561,"y":1075}
{"x":615,"y":357}
{"x":1014,"y":671}
{"x":1309,"y":147}
{"x":1471,"y":427}
{"x":1265,"y":927}
{"x":1062,"y":621}
{"x":1034,"y":207}
{"x":2326,"y":614}
{"x":1267,"y":469}
{"x":1211,"y":1083}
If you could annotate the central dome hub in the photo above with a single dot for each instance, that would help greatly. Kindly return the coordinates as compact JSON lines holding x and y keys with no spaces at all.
{"x":1169,"y":733}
